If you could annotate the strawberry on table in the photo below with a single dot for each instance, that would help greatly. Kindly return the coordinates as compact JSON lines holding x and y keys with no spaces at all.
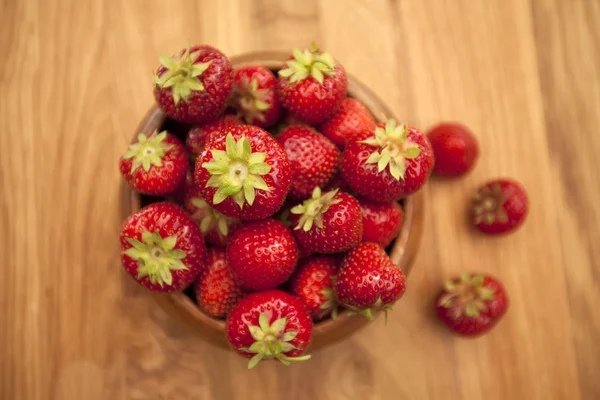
{"x":388,"y":164}
{"x":162,"y":247}
{"x":455,"y":149}
{"x":269,"y":325}
{"x":194,"y":85}
{"x":349,"y":121}
{"x":381,"y":221}
{"x":254,"y":96}
{"x":312,"y":284}
{"x":155,"y":165}
{"x":203,"y":133}
{"x":499,"y":206}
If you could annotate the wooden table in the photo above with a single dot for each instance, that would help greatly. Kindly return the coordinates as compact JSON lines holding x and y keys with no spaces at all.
{"x":524,"y":75}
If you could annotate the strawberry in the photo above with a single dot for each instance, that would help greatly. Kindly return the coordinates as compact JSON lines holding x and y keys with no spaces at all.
{"x":313,"y":158}
{"x":368,"y":281}
{"x":455,"y":149}
{"x":499,"y":206}
{"x":269,"y":325}
{"x":254,"y":96}
{"x":263,"y":254}
{"x":193,"y":86}
{"x":381,"y":221}
{"x":388,"y":164}
{"x":351,"y":119}
{"x":244,"y":174}
{"x":162,"y":247}
{"x":203,"y":133}
{"x":312,"y":85}
{"x":216,"y":288}
{"x":338,"y":182}
{"x":471,"y":305}
{"x":312,"y":284}
{"x":328,"y":223}
{"x":155,"y":165}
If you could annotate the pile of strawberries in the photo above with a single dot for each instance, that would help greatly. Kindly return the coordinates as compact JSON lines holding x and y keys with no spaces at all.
{"x":276,"y":206}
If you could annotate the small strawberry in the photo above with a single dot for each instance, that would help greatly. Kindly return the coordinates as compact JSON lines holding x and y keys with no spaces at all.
{"x":499,"y":206}
{"x":455,"y":149}
{"x":216,"y":288}
{"x":269,"y":325}
{"x":327,"y":223}
{"x":193,"y":86}
{"x":263,"y":254}
{"x":244,"y":174}
{"x":203,"y":133}
{"x":388,"y":164}
{"x":349,"y":121}
{"x":312,"y":85}
{"x":312,"y":284}
{"x":381,"y":221}
{"x":313,"y":158}
{"x":471,"y":305}
{"x":254,"y":96}
{"x":155,"y":165}
{"x":162,"y":248}
{"x":368,"y":281}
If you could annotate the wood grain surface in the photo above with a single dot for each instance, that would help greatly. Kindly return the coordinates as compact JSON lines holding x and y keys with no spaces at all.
{"x":523,"y":74}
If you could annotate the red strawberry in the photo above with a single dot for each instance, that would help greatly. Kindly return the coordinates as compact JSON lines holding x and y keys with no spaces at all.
{"x":472,"y":304}
{"x":193,"y":86}
{"x":328,"y":223}
{"x":155,"y":165}
{"x":314,"y":159}
{"x":455,"y":149}
{"x":245,"y":174}
{"x":162,"y":248}
{"x":216,"y":288}
{"x":312,"y":284}
{"x":368,"y":281}
{"x":254,"y":96}
{"x":312,"y":85}
{"x":263,"y":254}
{"x":499,"y":206}
{"x":388,"y":164}
{"x":381,"y":221}
{"x":349,"y":121}
{"x":269,"y":325}
{"x":203,"y":133}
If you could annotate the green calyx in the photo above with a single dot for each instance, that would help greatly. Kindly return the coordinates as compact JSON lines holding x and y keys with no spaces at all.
{"x":312,"y":210}
{"x":488,"y":205}
{"x":182,"y":75}
{"x":371,"y":312}
{"x":271,"y":342}
{"x":250,"y":100}
{"x":393,"y":148}
{"x":157,"y":257}
{"x":466,"y":297}
{"x":148,"y":151}
{"x":237,"y":171}
{"x":309,"y":63}
{"x":330,"y":303}
{"x":208,"y":218}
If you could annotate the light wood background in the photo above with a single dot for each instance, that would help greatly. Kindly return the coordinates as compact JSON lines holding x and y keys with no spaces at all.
{"x":523,"y":74}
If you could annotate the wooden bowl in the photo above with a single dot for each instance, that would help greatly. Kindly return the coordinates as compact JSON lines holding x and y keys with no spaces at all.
{"x":402,"y":251}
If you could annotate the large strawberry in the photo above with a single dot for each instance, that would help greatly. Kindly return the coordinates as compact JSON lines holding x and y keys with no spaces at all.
{"x":312,"y":284}
{"x":269,"y":325}
{"x":155,"y":165}
{"x":312,"y":85}
{"x":162,"y":247}
{"x":349,"y":121}
{"x":194,"y":85}
{"x":203,"y":133}
{"x":314,"y":159}
{"x":381,"y":221}
{"x":368,"y":281}
{"x":254,"y":96}
{"x":244,"y":174}
{"x":328,"y":223}
{"x":263,"y":254}
{"x":389,"y":163}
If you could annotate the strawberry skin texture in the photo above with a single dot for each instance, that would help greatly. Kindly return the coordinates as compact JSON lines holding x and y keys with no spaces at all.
{"x":216,"y":288}
{"x":312,"y":277}
{"x":455,"y":149}
{"x":381,"y":221}
{"x":314,"y":159}
{"x":203,"y":105}
{"x":499,"y":206}
{"x":349,"y":121}
{"x":263,"y":254}
{"x":275,"y":304}
{"x":265,"y":92}
{"x":201,"y":134}
{"x":167,"y":220}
